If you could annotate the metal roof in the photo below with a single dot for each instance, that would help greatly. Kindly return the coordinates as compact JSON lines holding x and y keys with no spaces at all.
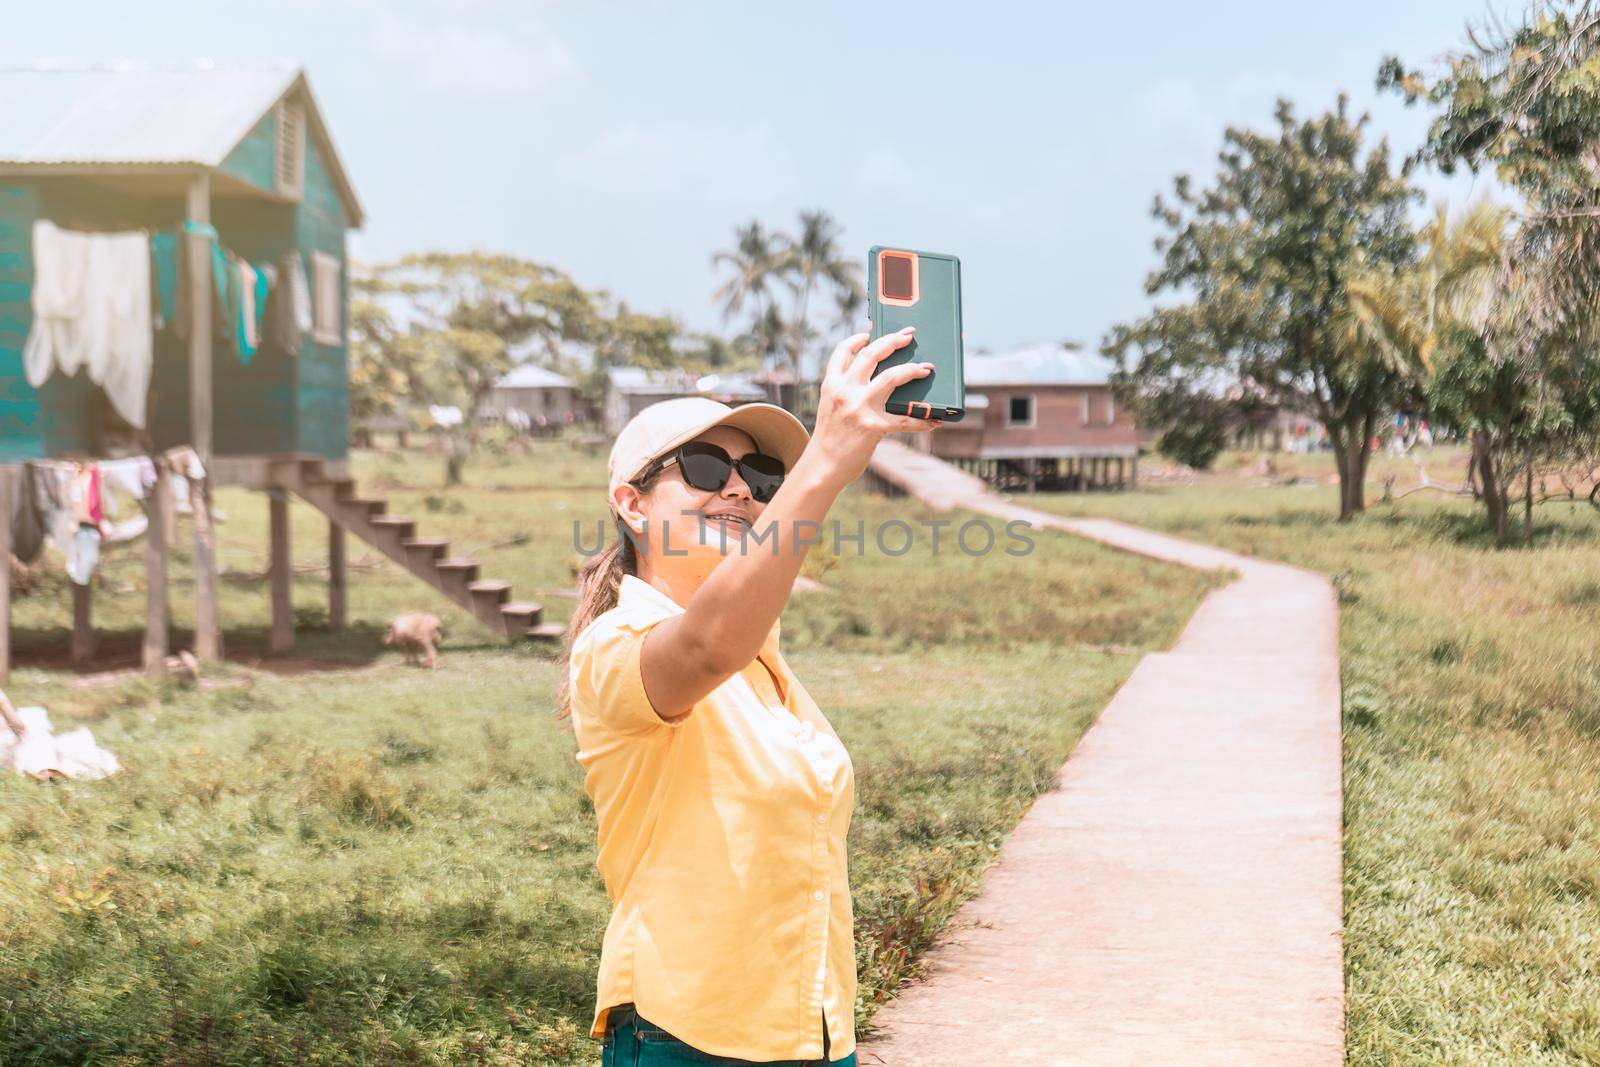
{"x":529,"y":376}
{"x":1046,"y":363}
{"x":111,"y":114}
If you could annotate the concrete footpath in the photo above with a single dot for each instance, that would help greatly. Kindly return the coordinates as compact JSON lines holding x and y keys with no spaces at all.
{"x":1178,"y":899}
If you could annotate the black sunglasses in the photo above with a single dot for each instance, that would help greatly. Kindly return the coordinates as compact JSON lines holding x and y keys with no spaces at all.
{"x":707,"y":467}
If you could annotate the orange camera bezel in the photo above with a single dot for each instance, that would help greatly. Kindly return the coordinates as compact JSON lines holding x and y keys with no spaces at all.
{"x":916,"y":278}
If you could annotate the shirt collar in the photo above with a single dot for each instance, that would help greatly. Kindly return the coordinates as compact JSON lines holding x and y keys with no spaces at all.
{"x":635,"y":592}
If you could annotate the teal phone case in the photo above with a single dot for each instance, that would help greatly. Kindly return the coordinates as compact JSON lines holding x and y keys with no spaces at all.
{"x":935,"y":310}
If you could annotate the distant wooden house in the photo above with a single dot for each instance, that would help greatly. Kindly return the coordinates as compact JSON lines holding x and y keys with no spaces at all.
{"x":225,"y":168}
{"x":548,"y":400}
{"x":1041,"y":416}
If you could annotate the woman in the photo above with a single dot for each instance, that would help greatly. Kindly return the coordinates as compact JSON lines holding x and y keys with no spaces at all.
{"x":722,"y":794}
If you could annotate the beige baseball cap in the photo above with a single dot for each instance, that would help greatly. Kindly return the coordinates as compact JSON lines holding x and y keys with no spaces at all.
{"x":666,"y":424}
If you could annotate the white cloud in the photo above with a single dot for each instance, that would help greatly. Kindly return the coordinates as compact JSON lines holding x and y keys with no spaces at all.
{"x":509,"y":54}
{"x":707,"y":161}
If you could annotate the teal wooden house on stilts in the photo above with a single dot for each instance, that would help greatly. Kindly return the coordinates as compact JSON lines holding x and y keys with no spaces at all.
{"x":232,"y":173}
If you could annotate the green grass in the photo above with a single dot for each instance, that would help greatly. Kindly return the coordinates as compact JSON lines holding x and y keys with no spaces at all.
{"x":334,"y":858}
{"x":1472,"y":754}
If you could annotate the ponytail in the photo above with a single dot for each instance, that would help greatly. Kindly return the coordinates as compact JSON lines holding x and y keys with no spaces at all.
{"x":599,"y":582}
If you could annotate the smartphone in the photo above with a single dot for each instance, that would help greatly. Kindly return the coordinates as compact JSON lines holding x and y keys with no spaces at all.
{"x":906,"y":287}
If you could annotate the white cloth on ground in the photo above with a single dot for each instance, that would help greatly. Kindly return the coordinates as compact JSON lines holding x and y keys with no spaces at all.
{"x":91,"y":306}
{"x":42,"y":755}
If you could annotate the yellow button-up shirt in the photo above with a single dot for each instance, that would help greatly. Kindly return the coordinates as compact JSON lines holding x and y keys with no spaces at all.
{"x":722,"y":846}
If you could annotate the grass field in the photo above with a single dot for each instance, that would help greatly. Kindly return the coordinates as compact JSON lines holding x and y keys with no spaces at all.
{"x":1472,"y":751}
{"x":335,"y":858}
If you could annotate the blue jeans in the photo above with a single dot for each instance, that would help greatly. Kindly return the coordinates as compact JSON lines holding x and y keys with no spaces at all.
{"x":633,"y":1041}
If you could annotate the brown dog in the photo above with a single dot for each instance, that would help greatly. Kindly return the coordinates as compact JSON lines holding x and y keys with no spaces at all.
{"x":417,"y":632}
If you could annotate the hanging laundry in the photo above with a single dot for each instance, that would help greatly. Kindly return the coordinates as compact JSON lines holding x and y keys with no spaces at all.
{"x":130,"y":478}
{"x":248,"y":339}
{"x":227,"y":296}
{"x":288,"y":310}
{"x":91,"y":306}
{"x":35,"y":501}
{"x":299,"y":291}
{"x":164,"y":267}
{"x":265,"y":273}
{"x":61,"y":520}
{"x":84,"y":555}
{"x":83,"y":547}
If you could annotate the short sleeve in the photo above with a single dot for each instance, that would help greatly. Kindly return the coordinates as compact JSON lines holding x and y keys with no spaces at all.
{"x":607,"y":680}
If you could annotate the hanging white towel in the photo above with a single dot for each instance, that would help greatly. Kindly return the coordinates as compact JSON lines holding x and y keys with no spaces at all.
{"x":247,"y":286}
{"x":299,"y":293}
{"x":91,"y":307}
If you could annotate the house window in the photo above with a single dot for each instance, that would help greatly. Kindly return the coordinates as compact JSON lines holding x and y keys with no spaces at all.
{"x":326,"y":329}
{"x":1086,"y":409}
{"x":1111,"y":410}
{"x":289,"y":163}
{"x":1020,"y":411}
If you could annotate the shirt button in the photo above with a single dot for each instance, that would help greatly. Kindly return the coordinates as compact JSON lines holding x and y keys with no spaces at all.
{"x":821,"y":818}
{"x":816,"y":894}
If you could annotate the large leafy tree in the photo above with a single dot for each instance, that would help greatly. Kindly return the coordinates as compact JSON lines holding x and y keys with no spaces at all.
{"x":1523,"y":100}
{"x":446,"y":326}
{"x":1258,"y":265}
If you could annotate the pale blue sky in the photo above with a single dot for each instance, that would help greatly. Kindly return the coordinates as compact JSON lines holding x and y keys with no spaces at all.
{"x":623,"y":142}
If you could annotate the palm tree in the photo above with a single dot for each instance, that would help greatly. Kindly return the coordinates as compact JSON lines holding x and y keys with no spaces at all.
{"x":1464,"y":282}
{"x":756,"y":261}
{"x":1403,"y":313}
{"x":811,"y":258}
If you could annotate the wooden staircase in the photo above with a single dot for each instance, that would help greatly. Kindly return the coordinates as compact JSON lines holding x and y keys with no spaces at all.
{"x":428,"y":558}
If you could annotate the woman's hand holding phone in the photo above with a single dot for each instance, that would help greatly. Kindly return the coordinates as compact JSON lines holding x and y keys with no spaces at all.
{"x":851,"y":413}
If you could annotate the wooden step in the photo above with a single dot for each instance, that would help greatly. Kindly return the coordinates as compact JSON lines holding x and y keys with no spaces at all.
{"x":460,"y":565}
{"x":519,"y":615}
{"x":343,"y":488}
{"x":369,"y":509}
{"x":399,"y":525}
{"x":490,"y":589}
{"x":547,"y":631}
{"x":425,"y":550}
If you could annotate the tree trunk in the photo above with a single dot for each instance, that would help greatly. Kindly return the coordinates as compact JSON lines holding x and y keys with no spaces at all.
{"x":1494,"y":492}
{"x":1527,"y":505}
{"x":1353,"y":475}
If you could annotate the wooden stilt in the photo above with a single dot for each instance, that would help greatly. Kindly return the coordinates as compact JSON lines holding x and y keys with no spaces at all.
{"x":207,"y":622}
{"x":8,"y":490}
{"x":338,"y":578}
{"x":1033,"y":474}
{"x":1133,"y":479}
{"x":169,"y":510}
{"x":208,"y":630}
{"x":282,"y":604}
{"x":158,"y":508}
{"x":82,"y":627}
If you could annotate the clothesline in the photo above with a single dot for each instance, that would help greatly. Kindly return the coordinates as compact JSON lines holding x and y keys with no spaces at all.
{"x":65,"y":503}
{"x":100,"y":298}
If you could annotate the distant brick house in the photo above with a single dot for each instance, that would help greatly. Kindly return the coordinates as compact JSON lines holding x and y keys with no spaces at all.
{"x":1042,"y":416}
